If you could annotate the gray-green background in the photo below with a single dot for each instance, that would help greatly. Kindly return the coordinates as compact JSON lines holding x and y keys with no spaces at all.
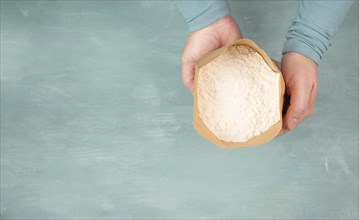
{"x":95,"y":121}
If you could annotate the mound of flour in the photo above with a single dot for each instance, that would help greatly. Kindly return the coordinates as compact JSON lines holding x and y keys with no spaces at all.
{"x":238,"y":95}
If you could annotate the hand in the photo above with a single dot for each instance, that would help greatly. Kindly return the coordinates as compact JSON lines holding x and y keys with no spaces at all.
{"x":218,"y":34}
{"x":300,"y":76}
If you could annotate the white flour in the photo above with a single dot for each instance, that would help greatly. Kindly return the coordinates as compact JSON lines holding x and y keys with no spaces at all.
{"x":238,"y":95}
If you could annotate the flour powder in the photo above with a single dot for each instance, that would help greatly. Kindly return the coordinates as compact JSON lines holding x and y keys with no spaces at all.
{"x":238,"y":95}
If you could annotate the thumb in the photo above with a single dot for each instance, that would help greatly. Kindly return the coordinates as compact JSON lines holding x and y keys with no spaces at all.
{"x":188,"y":73}
{"x":299,"y":103}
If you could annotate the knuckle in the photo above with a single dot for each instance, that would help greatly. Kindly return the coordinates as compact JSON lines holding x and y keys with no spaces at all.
{"x":185,"y":80}
{"x":311,"y":111}
{"x":185,"y":60}
{"x":300,"y":110}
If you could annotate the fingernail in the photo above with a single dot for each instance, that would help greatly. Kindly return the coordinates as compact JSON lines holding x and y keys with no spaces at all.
{"x":292,"y":123}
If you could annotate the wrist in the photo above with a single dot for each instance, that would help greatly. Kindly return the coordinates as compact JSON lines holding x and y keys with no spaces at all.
{"x":299,"y":58}
{"x":294,"y":45}
{"x":224,"y":30}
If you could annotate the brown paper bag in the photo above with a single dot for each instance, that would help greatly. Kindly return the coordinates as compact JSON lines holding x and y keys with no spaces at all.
{"x":199,"y":124}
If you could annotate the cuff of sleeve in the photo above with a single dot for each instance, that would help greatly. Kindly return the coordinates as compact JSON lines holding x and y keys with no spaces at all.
{"x":214,"y":13}
{"x":302,"y":48}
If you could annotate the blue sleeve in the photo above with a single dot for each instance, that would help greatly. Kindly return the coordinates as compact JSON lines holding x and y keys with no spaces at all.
{"x":314,"y":27}
{"x":200,"y":14}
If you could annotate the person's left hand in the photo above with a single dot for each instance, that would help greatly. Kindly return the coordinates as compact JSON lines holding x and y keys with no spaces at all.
{"x":300,"y":76}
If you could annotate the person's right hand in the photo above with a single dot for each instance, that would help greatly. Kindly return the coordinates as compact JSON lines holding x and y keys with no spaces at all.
{"x":218,"y":34}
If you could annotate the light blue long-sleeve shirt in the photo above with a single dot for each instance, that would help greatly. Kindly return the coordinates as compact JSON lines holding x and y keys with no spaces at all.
{"x":310,"y":33}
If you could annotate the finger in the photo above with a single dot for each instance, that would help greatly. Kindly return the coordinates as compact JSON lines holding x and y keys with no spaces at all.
{"x":299,"y":104}
{"x":188,"y":74}
{"x":313,"y":95}
{"x":282,"y":131}
{"x":286,"y":99}
{"x":284,"y":128}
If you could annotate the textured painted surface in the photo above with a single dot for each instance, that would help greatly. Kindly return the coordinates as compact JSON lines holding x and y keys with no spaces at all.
{"x":95,"y":122}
